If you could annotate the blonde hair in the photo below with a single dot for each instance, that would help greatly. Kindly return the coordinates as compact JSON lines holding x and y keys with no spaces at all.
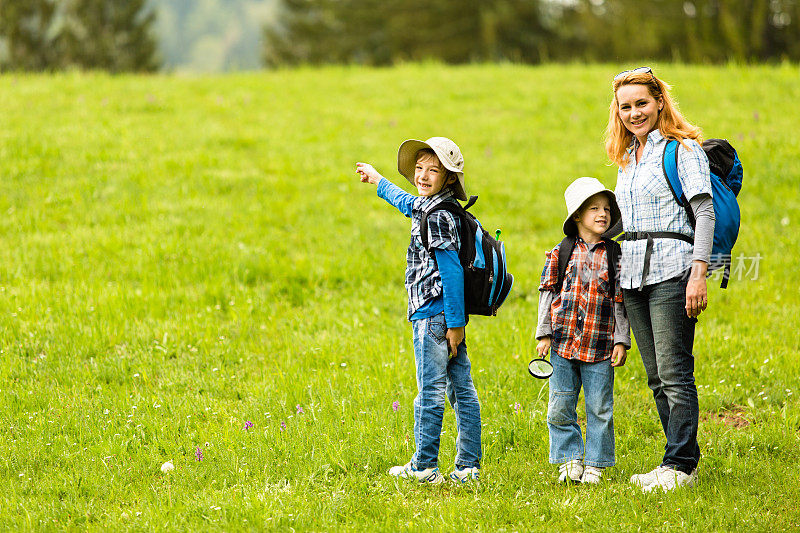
{"x":670,"y":122}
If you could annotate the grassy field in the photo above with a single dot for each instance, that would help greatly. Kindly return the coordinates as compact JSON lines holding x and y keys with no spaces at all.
{"x":191,"y":271}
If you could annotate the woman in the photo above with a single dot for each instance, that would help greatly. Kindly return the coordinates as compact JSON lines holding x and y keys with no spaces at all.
{"x":664,"y":258}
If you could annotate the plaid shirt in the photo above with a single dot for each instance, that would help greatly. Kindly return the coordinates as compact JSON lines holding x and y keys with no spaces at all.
{"x":582,"y":314}
{"x":647,"y":204}
{"x":423,"y":281}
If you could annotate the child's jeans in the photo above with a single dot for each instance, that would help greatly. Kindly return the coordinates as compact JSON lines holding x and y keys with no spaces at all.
{"x":566,"y":442}
{"x":439,"y":376}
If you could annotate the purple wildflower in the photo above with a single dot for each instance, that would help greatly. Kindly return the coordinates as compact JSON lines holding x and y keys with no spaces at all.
{"x":198,"y":453}
{"x":283,"y":425}
{"x":299,"y":409}
{"x":247,"y":425}
{"x":395,"y":406}
{"x":517,"y":407}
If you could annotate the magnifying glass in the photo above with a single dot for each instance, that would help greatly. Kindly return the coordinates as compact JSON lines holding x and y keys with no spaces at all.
{"x":540,"y":368}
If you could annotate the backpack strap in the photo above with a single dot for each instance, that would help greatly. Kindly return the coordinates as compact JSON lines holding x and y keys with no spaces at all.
{"x":567,"y":247}
{"x":565,"y":250}
{"x":613,"y":253}
{"x":464,"y":235}
{"x":670,"y":165}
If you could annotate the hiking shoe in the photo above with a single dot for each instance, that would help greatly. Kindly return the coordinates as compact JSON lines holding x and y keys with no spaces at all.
{"x":645,"y":480}
{"x":668,"y":479}
{"x":592,"y":475}
{"x":570,"y":471}
{"x":465,"y":475}
{"x":427,"y":475}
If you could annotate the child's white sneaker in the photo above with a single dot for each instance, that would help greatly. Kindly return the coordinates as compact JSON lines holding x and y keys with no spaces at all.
{"x":571,"y":471}
{"x":668,"y":479}
{"x":427,"y":475}
{"x":645,"y":480}
{"x":592,"y":475}
{"x":465,"y":475}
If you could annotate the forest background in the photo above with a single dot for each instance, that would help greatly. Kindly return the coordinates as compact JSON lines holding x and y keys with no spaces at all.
{"x":225,"y":35}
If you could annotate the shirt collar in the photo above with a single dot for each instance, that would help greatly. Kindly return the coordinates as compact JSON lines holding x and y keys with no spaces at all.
{"x":654,"y":137}
{"x":439,"y":197}
{"x":590,"y":246}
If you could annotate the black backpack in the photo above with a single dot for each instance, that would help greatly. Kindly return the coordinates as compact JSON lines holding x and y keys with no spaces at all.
{"x":486,"y":281}
{"x":613,"y":252}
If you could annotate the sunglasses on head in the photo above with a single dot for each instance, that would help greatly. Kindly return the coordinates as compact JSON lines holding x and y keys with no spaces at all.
{"x":640,"y":70}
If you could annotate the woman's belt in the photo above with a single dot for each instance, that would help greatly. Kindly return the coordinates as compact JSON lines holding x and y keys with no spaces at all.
{"x":648,"y":251}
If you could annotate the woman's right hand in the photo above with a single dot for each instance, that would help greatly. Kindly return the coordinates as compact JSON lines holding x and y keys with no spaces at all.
{"x":367,"y":173}
{"x":697,"y":290}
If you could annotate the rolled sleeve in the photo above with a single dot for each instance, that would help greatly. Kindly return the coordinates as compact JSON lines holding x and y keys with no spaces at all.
{"x":549,"y":279}
{"x":693,"y":169}
{"x":547,"y":293}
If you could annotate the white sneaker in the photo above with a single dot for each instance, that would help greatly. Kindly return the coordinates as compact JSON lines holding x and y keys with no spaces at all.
{"x":592,"y":475}
{"x":427,"y":475}
{"x":645,"y":480}
{"x":668,"y":479}
{"x":571,"y":471}
{"x":465,"y":475}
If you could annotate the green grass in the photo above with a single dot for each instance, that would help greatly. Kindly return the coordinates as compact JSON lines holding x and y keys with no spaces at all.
{"x":182,"y":255}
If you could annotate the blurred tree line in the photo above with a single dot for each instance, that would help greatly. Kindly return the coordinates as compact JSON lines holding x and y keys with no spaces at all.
{"x":212,"y":35}
{"x":113,"y":35}
{"x":381,"y":32}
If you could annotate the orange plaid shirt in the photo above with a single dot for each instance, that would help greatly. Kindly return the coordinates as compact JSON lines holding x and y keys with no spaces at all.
{"x":582,"y":313}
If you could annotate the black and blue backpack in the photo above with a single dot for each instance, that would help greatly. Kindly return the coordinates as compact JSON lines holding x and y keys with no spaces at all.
{"x":726,"y":182}
{"x":483,"y":258}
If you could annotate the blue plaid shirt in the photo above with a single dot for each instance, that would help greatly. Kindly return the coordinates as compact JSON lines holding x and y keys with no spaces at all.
{"x":423,"y":281}
{"x":647,"y":204}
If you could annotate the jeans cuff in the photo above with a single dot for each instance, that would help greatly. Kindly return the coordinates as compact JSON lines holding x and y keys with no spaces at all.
{"x":599,"y":464}
{"x":682,"y":468}
{"x":566,"y":458}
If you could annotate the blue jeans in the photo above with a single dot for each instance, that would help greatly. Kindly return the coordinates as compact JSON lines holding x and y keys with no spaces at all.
{"x":665,"y":337}
{"x":438,"y":376}
{"x":566,"y":442}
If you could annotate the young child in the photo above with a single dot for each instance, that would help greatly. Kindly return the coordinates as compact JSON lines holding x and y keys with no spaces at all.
{"x":435,"y":285}
{"x":588,"y":331}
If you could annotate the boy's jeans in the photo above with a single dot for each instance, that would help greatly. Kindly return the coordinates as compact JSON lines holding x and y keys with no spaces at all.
{"x":437,"y":377}
{"x":566,"y":442}
{"x":665,"y":336}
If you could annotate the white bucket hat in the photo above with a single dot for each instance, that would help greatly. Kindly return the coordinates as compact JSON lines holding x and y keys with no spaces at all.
{"x":446,"y":150}
{"x":578,"y":192}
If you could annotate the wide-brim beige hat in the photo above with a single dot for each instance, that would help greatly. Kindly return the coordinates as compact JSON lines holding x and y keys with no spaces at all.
{"x":578,"y":192}
{"x":446,"y":150}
